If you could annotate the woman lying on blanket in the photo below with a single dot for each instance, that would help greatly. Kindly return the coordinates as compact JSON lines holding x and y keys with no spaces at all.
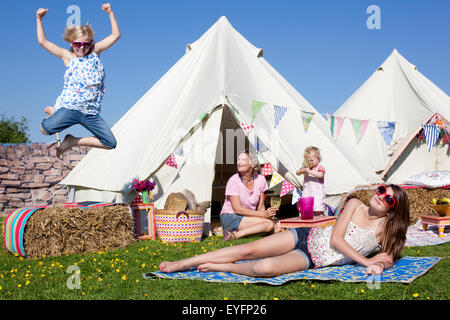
{"x":358,"y":231}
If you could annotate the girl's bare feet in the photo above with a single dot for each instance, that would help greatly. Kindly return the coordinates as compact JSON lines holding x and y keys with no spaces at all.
{"x":211,"y":267}
{"x":65,"y":145}
{"x":172,"y":266}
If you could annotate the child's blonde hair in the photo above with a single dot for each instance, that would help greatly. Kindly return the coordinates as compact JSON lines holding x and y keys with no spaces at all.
{"x":74,"y":32}
{"x":311,"y":150}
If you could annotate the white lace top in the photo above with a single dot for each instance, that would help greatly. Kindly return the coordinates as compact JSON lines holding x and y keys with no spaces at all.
{"x":323,"y":254}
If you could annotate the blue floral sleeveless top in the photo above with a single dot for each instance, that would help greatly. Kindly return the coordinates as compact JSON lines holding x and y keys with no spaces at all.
{"x":83,"y":85}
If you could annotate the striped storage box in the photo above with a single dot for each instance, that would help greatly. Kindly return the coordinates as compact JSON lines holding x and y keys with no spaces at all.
{"x":179,"y":225}
{"x":16,"y":221}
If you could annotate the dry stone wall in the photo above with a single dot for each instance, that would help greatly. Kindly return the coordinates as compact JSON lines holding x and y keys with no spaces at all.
{"x":30,"y":173}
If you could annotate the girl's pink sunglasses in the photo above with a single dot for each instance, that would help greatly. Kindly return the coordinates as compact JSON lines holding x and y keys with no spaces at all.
{"x":387,"y":199}
{"x":79,"y":44}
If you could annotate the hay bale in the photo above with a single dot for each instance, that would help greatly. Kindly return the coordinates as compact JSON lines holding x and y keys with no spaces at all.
{"x":419,"y":200}
{"x":56,"y":230}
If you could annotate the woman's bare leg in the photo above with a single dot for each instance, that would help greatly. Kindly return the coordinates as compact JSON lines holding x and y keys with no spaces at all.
{"x":253,"y":225}
{"x":270,"y":267}
{"x":273,"y":245}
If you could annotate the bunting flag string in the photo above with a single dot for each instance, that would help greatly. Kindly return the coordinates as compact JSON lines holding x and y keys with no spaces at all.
{"x":278,"y":114}
{"x":387,"y":129}
{"x":172,"y":162}
{"x":431,"y":132}
{"x":359,"y":127}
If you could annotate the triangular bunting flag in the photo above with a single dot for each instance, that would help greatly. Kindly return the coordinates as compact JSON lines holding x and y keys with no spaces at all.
{"x":296,"y":194}
{"x":335,"y":125}
{"x":171,"y":161}
{"x":276,"y":179}
{"x":286,"y":187}
{"x":256,"y":106}
{"x":267,"y":170}
{"x":331,"y":120}
{"x":431,"y":134}
{"x":307,"y":118}
{"x":387,"y":129}
{"x":279,"y":113}
{"x":359,"y":127}
{"x":203,"y":115}
{"x":246,"y":127}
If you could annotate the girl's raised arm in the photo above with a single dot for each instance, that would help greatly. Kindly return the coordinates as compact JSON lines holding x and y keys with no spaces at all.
{"x":115,"y":31}
{"x":42,"y":39}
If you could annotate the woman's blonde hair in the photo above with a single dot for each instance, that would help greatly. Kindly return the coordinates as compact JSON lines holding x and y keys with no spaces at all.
{"x":74,"y":32}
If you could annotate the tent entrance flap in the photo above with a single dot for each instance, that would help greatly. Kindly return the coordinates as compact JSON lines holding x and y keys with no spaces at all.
{"x":232,"y":141}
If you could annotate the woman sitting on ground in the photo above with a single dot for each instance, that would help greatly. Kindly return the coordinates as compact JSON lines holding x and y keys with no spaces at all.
{"x":243,"y":212}
{"x":358,"y":231}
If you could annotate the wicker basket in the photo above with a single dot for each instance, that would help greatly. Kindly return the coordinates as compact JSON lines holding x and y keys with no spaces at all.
{"x":179,"y":225}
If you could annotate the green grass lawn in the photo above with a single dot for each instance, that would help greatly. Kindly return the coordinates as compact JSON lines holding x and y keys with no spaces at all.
{"x":117,"y":274}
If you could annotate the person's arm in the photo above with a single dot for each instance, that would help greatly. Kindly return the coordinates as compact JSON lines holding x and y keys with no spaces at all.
{"x":238,"y":209}
{"x":337,"y":238}
{"x":318,"y":174}
{"x":383,"y":261}
{"x":115,"y":31}
{"x":261,"y":205}
{"x":59,"y":52}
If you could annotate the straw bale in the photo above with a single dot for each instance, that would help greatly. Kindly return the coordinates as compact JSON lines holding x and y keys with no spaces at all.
{"x":57,"y":230}
{"x":419,"y":200}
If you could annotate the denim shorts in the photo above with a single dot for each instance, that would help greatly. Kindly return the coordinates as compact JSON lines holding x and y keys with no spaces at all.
{"x":64,"y":118}
{"x":301,"y":244}
{"x":230,"y":221}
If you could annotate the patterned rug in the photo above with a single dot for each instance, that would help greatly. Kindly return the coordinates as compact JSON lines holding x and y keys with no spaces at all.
{"x":417,"y":237}
{"x":405,"y":270}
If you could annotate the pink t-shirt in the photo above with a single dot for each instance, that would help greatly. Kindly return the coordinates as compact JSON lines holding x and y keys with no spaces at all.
{"x":249,"y":199}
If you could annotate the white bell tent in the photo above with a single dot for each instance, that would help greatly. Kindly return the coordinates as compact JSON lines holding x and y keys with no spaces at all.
{"x":396,"y":93}
{"x":182,"y":131}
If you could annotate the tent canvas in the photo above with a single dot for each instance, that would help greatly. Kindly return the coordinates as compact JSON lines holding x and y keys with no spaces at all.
{"x":412,"y":157}
{"x":395,"y":92}
{"x":183,"y":113}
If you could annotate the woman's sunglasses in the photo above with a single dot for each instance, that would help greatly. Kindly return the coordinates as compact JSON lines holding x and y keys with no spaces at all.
{"x":79,"y":44}
{"x":387,"y":199}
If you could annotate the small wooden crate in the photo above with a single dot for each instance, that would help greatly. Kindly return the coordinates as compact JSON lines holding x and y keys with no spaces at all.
{"x":144,"y":220}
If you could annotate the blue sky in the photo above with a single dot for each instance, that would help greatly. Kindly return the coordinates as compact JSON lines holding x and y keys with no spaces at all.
{"x":323,"y":48}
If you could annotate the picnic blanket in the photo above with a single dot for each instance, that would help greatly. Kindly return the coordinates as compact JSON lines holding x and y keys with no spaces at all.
{"x":15,"y":223}
{"x":417,"y":237}
{"x":405,"y":270}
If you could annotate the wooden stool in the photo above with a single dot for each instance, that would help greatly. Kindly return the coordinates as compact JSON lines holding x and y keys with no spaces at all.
{"x":440,"y":222}
{"x":298,"y":222}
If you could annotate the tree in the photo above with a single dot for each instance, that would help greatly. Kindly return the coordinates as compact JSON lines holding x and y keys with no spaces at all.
{"x":12,"y":131}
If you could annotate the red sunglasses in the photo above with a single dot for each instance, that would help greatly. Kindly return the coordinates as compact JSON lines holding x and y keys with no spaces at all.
{"x":387,"y":199}
{"x":79,"y":44}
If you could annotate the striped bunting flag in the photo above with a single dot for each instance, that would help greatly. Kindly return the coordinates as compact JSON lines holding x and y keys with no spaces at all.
{"x":431,"y":134}
{"x":279,"y":113}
